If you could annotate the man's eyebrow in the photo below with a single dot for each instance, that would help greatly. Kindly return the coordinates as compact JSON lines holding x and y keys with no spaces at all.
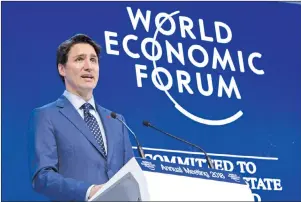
{"x":84,"y":55}
{"x":80,"y":55}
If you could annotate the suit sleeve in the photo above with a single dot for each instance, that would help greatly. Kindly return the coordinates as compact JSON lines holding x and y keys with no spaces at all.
{"x":128,"y":150}
{"x":44,"y":165}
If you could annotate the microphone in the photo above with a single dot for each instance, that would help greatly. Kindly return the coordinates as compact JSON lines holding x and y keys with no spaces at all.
{"x":140,"y":150}
{"x":148,"y":124}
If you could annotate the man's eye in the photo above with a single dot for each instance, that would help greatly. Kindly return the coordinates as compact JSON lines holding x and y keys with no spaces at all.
{"x":93,"y":60}
{"x":78,"y":59}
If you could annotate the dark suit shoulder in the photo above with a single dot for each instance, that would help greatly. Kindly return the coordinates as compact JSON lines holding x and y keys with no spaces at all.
{"x":53,"y":106}
{"x":44,"y":111}
{"x":108,"y":111}
{"x":104,"y":109}
{"x":41,"y":115}
{"x":47,"y":107}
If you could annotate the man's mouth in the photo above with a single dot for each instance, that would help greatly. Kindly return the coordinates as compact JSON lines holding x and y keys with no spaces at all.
{"x":87,"y":76}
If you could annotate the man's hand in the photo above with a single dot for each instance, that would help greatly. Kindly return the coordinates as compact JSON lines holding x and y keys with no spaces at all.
{"x":94,"y":190}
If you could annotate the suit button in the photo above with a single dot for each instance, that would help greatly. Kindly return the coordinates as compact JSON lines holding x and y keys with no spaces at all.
{"x":110,"y":173}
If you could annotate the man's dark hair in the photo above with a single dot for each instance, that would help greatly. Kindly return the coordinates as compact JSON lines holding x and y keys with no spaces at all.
{"x":64,"y":48}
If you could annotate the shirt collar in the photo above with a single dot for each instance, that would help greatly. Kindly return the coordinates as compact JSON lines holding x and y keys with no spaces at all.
{"x":78,"y":101}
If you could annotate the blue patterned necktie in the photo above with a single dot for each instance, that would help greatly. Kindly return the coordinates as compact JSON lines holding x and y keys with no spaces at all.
{"x":93,"y":126}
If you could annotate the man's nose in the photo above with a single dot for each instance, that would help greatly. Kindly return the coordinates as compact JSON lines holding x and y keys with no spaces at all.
{"x":87,"y":64}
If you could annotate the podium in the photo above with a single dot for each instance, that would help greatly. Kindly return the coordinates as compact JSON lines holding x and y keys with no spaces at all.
{"x":149,"y":180}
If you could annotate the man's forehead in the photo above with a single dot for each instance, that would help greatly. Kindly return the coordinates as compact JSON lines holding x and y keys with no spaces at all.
{"x":82,"y":49}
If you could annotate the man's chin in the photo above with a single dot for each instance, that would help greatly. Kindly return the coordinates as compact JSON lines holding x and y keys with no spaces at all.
{"x":88,"y":87}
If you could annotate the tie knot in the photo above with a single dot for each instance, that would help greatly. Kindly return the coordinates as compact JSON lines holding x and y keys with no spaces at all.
{"x":87,"y":107}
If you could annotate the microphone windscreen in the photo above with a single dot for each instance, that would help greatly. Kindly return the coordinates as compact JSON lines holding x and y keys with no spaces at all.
{"x":146,"y":123}
{"x":113,"y":115}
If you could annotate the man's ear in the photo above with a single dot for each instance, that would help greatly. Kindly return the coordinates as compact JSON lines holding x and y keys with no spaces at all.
{"x":61,"y":69}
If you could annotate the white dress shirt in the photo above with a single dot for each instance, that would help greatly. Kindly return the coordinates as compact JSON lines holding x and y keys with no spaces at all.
{"x":77,"y":102}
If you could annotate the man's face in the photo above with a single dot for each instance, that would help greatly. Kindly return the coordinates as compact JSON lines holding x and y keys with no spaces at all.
{"x":81,"y":71}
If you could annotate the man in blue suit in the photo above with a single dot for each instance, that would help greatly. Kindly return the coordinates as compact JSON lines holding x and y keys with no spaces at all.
{"x":75,"y":146}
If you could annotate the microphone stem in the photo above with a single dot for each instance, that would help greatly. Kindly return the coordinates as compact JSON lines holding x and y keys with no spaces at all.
{"x":139,"y":148}
{"x":206,"y":155}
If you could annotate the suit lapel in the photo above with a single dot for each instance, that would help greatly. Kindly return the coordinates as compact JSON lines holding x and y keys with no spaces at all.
{"x":68,"y":110}
{"x":107,"y":122}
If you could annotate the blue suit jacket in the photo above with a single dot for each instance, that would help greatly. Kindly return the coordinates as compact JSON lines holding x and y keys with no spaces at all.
{"x":64,"y":156}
